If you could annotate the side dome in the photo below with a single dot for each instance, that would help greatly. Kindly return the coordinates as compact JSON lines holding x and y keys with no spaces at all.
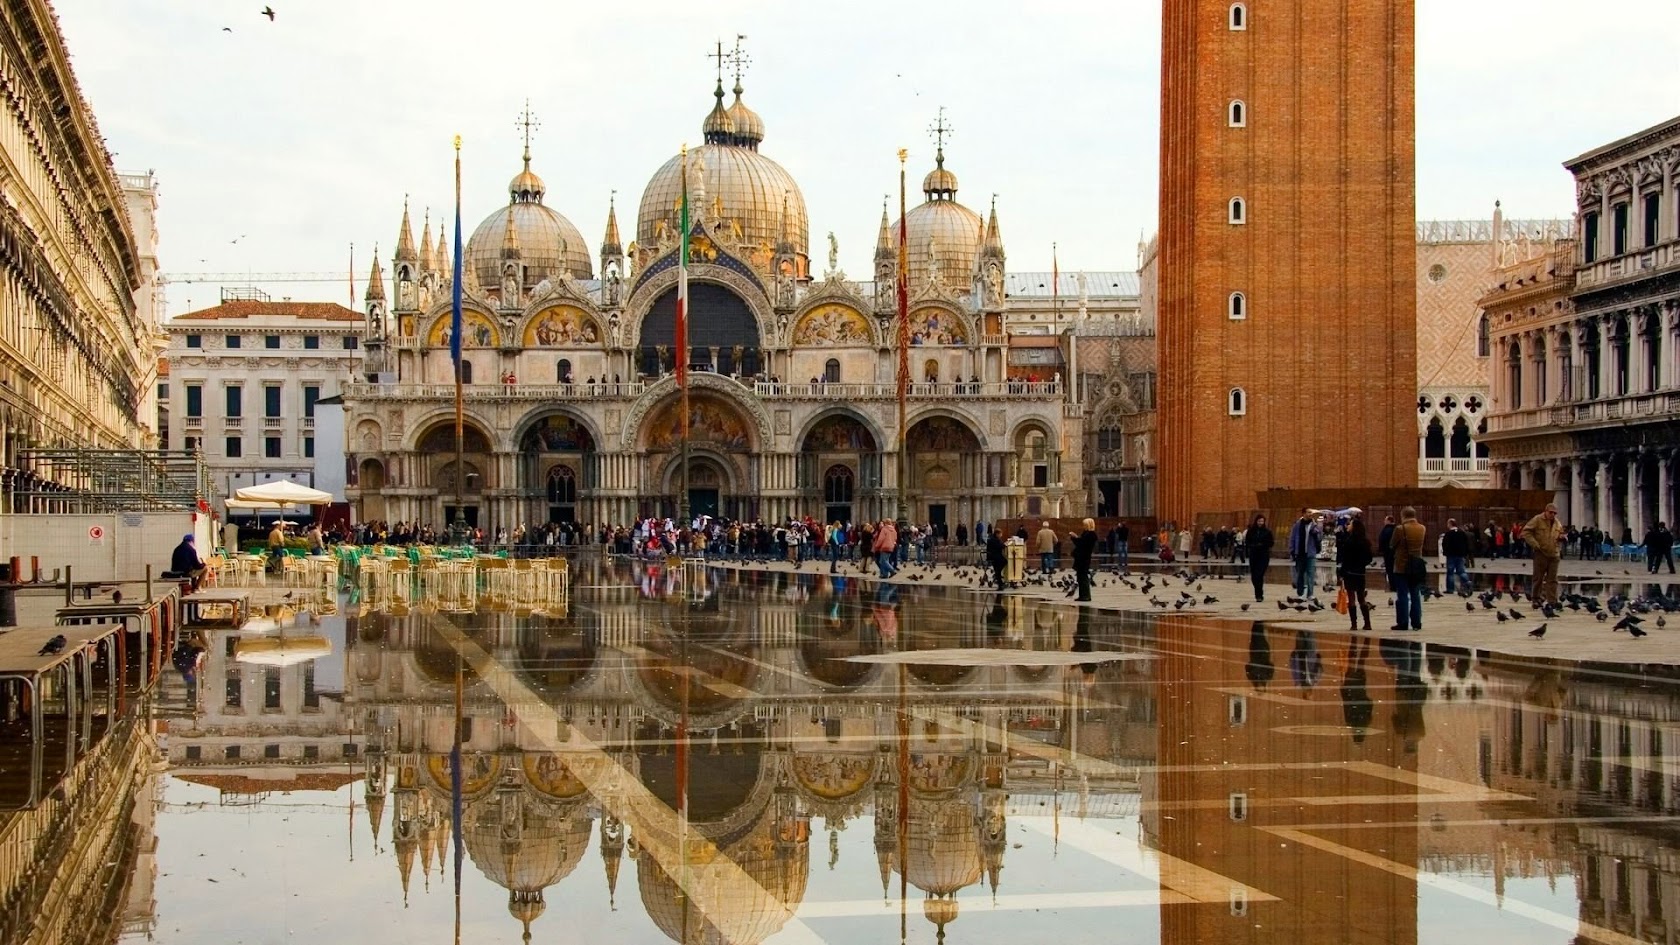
{"x":739,"y":186}
{"x":549,"y":245}
{"x":942,"y":232}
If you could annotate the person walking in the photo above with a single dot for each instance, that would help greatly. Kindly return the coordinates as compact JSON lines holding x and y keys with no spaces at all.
{"x":1385,"y":548}
{"x":1084,"y":545}
{"x":886,"y":545}
{"x":1455,"y":548}
{"x":1659,"y":547}
{"x":1544,"y":534}
{"x":1123,"y":547}
{"x":995,"y":557}
{"x":1259,"y":540}
{"x":1046,"y":549}
{"x":1355,"y":552}
{"x":1410,"y":571}
{"x":1305,"y":540}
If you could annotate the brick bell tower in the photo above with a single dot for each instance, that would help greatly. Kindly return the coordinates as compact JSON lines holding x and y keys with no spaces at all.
{"x":1287,"y":250}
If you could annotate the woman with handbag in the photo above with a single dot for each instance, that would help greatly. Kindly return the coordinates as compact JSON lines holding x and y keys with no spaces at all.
{"x":1355,"y":551}
{"x":1410,"y":571}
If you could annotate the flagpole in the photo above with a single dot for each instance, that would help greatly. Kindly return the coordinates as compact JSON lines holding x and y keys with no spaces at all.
{"x":683,"y":510}
{"x":457,"y":524}
{"x":903,"y":347}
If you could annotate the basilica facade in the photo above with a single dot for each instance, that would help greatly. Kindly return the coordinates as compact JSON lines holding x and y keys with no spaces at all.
{"x":571,"y":407}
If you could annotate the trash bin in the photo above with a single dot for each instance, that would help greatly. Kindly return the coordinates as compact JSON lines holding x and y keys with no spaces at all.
{"x":1014,"y":561}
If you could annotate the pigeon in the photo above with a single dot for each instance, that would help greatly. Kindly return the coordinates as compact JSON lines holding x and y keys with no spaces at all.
{"x":116,"y":596}
{"x":1661,"y":622}
{"x":268,"y":12}
{"x":53,"y":646}
{"x":1601,"y":616}
{"x":1469,"y":608}
{"x":1635,"y":632}
{"x":1538,"y":632}
{"x":1517,"y":614}
{"x":1245,"y":610}
{"x":1627,"y":623}
{"x":1501,"y":615}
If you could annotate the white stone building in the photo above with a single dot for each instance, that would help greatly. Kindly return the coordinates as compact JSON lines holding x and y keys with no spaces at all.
{"x":243,"y":378}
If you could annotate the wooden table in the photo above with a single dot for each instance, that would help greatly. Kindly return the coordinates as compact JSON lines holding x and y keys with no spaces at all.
{"x":21,"y":660}
{"x":193,"y":605}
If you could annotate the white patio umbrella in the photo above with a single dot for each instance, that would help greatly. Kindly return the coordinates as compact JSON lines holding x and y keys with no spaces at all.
{"x":281,"y":651}
{"x":283,"y":492}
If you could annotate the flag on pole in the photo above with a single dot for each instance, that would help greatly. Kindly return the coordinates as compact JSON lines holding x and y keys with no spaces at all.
{"x":682,"y":279}
{"x":903,"y":285}
{"x":455,"y":281}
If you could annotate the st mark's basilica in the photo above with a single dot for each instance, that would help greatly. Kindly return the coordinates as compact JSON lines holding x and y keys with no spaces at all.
{"x":571,"y":404}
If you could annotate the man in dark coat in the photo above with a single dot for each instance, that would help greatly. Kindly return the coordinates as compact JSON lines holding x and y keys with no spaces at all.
{"x":184,"y":561}
{"x":994,"y":555}
{"x":1083,"y":547}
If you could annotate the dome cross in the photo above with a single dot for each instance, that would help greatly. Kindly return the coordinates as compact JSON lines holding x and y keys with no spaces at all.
{"x":738,"y":60}
{"x":527,"y":123}
{"x":939,"y":130}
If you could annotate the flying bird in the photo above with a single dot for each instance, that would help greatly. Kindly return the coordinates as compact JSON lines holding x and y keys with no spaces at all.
{"x":268,"y":12}
{"x":227,"y":29}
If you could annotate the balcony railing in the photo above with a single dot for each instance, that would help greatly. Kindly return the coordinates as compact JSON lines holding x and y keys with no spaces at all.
{"x":273,"y":423}
{"x":1633,"y":265}
{"x":234,"y":423}
{"x":1454,"y":465}
{"x":309,"y":423}
{"x":1630,"y":407}
{"x":964,"y":390}
{"x":194,"y":423}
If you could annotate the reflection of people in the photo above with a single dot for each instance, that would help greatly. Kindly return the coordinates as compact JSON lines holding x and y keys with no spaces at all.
{"x":185,"y":561}
{"x":1357,"y":706}
{"x":1082,"y":641}
{"x":1084,"y":545}
{"x":1259,"y":669}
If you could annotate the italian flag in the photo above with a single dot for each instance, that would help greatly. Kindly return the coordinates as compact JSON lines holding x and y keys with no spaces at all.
{"x":682,"y":283}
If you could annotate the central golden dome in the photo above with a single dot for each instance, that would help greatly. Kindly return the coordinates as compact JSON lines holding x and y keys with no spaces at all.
{"x":741,"y":186}
{"x":549,"y":244}
{"x":942,"y":229}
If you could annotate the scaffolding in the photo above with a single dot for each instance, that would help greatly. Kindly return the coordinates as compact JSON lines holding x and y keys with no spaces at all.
{"x":90,"y":481}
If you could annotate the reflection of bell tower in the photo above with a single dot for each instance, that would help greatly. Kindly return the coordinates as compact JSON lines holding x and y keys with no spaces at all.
{"x":407,"y":821}
{"x":886,"y":827}
{"x":612,"y":854}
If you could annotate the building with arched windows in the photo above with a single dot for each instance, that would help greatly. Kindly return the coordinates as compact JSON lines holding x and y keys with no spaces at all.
{"x":571,"y":406}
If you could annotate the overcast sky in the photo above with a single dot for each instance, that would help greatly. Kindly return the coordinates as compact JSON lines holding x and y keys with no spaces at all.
{"x":299,"y":137}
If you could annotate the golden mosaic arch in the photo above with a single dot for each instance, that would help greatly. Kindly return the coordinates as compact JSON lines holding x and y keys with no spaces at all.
{"x":832,"y":325}
{"x":557,"y":777}
{"x":712,"y":421}
{"x":937,"y":326}
{"x":562,"y":326}
{"x":477,"y":331}
{"x":478,"y":771}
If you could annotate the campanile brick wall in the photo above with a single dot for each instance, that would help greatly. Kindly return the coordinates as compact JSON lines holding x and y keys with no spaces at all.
{"x":1326,"y":259}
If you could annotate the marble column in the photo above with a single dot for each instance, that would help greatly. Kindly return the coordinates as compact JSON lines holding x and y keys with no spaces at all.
{"x":1665,"y":489}
{"x":1604,"y":481}
{"x":1635,"y":519}
{"x":1577,"y":492}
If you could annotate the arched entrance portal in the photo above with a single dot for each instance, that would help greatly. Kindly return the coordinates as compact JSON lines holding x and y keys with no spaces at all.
{"x":944,"y":471}
{"x":436,"y":449}
{"x":720,"y":446}
{"x":840,"y":465}
{"x":557,"y":469}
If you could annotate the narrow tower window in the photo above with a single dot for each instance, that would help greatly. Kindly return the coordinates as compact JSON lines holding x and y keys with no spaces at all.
{"x":1239,"y":211}
{"x":1238,"y":307}
{"x":1239,"y":16}
{"x":1239,"y":114}
{"x":1237,"y":402}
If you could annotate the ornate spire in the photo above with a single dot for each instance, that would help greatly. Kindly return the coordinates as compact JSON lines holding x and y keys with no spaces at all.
{"x":786,"y":245}
{"x":993,"y":244}
{"x":510,"y":238}
{"x":612,"y":855}
{"x":884,"y":242}
{"x":748,"y":127}
{"x":718,"y":128}
{"x":427,"y":263}
{"x":526,"y":186}
{"x":375,"y":293}
{"x":610,"y":245}
{"x":405,"y":238}
{"x":441,"y":257}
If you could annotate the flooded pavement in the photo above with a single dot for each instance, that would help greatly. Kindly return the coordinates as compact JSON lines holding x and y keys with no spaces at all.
{"x":765,"y":757}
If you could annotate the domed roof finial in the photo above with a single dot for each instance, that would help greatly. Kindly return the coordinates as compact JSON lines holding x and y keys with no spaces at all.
{"x":940,"y":183}
{"x":526,"y":187}
{"x":748,"y":128}
{"x":717,"y":128}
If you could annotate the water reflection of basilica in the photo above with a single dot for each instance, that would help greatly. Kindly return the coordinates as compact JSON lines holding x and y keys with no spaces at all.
{"x":777,"y":731}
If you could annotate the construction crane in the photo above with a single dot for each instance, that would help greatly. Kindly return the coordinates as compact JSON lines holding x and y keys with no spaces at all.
{"x":249,"y":278}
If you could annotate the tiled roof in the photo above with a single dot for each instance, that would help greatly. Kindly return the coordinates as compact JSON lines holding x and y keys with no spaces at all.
{"x":313,"y":311}
{"x":1098,"y":285}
